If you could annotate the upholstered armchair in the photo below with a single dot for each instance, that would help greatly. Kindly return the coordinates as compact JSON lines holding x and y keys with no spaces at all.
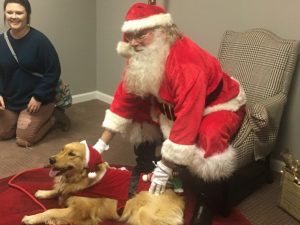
{"x":264,"y":64}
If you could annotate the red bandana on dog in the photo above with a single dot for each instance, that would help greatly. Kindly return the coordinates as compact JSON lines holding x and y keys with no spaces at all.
{"x":115,"y":182}
{"x":115,"y":185}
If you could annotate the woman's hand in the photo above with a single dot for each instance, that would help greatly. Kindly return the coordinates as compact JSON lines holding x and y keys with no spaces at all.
{"x":33,"y":105}
{"x":2,"y":105}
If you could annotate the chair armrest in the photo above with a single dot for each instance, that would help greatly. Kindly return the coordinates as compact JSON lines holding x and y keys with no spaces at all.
{"x":258,"y":116}
{"x":266,"y":113}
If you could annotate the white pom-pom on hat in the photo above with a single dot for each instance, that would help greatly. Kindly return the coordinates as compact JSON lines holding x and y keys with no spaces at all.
{"x":124,"y":49}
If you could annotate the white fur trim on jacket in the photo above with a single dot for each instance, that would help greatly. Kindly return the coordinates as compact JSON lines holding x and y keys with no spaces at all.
{"x":141,"y":132}
{"x":115,"y":122}
{"x":148,"y":22}
{"x":232,"y":105}
{"x":213,"y":168}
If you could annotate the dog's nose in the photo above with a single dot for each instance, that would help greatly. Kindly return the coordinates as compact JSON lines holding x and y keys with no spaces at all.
{"x":52,"y":160}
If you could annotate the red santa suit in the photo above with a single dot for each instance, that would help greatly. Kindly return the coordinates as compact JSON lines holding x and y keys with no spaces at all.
{"x":201,"y":106}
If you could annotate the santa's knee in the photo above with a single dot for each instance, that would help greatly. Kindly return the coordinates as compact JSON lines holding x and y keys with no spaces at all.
{"x":213,"y":143}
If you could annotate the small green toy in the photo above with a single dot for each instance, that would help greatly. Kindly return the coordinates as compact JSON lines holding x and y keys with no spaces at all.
{"x":176,"y":182}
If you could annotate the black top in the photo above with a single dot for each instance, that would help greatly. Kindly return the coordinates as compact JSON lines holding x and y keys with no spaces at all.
{"x":35,"y":53}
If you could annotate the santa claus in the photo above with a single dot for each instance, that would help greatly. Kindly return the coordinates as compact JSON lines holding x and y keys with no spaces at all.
{"x":175,"y":93}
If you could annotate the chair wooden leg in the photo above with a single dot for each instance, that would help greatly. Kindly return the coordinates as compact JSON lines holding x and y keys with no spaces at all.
{"x":270,"y":176}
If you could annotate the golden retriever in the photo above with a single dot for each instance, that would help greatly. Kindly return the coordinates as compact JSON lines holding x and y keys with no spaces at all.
{"x":71,"y":176}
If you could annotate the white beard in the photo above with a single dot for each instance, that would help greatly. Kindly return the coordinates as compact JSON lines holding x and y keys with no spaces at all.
{"x":145,"y":71}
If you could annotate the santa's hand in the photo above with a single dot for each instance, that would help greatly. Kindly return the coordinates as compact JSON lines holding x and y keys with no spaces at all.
{"x":101,"y":146}
{"x":159,"y":179}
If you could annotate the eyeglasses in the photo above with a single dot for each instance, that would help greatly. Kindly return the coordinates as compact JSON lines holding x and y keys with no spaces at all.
{"x":138,"y":36}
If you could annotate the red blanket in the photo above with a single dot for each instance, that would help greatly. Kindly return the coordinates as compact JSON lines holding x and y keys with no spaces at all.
{"x":16,"y":199}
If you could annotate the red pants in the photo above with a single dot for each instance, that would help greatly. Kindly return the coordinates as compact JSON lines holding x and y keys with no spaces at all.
{"x":217,"y":129}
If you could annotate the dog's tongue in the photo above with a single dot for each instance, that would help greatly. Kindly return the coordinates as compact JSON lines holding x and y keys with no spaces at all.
{"x":53,"y":173}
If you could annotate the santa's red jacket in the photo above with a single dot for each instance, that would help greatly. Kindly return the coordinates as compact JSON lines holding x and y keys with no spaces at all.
{"x":192,"y":76}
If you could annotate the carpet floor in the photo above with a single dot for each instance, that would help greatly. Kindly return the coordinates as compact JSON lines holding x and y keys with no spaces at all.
{"x":260,"y":208}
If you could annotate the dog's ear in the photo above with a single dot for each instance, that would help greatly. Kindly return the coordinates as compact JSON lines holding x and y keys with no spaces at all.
{"x":80,"y":147}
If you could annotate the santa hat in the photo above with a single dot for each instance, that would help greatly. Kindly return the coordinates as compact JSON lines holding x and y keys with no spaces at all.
{"x":142,"y":16}
{"x":92,"y":159}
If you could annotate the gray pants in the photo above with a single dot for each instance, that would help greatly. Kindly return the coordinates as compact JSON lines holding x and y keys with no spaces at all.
{"x":28,"y":128}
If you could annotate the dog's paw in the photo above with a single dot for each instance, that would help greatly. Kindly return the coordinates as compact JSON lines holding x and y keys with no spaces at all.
{"x":40,"y":194}
{"x":46,"y":194}
{"x":29,"y":220}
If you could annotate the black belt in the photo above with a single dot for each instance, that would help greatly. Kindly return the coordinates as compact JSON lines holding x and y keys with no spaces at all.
{"x":212,"y":96}
{"x":168,"y":110}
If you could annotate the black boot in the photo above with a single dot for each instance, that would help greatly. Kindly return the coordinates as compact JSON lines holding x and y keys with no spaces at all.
{"x":203,"y":214}
{"x":145,"y":153}
{"x":204,"y":211}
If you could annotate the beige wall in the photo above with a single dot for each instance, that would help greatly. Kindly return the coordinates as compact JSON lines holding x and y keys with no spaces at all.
{"x":71,"y":27}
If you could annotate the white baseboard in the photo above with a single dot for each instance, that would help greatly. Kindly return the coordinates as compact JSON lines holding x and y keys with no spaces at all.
{"x":104,"y":97}
{"x":276,"y":165}
{"x":91,"y":96}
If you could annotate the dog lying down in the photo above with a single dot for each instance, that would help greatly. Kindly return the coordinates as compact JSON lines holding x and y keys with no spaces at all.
{"x":71,"y":169}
